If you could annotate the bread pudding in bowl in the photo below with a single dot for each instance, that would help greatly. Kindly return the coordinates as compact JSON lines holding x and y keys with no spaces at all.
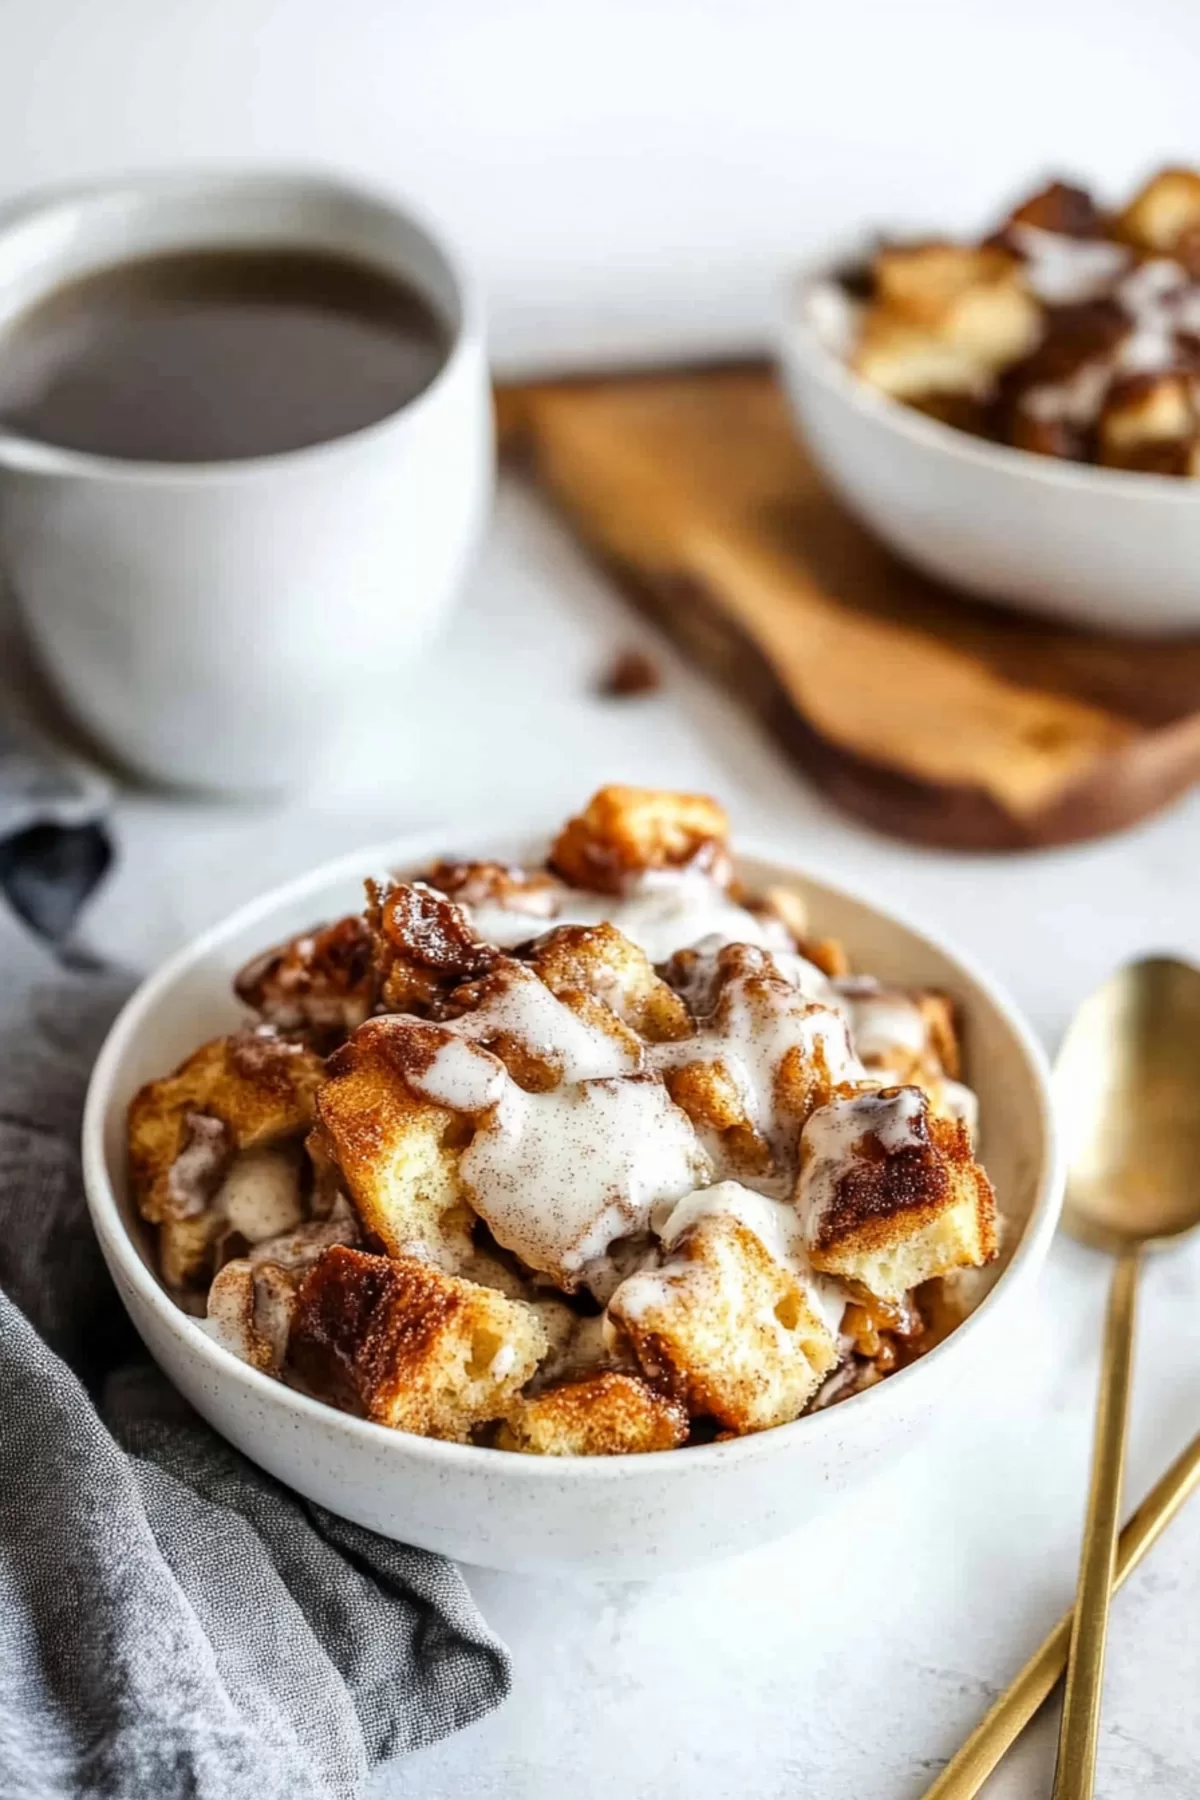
{"x":527,"y":1207}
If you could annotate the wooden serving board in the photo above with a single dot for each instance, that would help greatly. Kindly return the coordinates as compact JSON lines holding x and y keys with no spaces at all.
{"x":933,"y":717}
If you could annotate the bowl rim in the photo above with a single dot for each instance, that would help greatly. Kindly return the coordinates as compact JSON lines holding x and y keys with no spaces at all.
{"x":799,"y":339}
{"x":224,"y":1366}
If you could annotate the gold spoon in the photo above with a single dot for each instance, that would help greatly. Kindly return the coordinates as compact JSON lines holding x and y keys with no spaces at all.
{"x":1125,"y":1087}
{"x":1125,"y":1090}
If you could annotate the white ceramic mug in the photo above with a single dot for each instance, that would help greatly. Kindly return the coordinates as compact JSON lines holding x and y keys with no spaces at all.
{"x":213,"y":624}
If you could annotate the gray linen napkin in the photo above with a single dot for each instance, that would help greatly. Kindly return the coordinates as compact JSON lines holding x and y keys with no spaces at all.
{"x":172,"y":1622}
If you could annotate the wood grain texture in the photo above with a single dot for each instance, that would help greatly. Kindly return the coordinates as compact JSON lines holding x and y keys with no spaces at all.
{"x":933,"y":717}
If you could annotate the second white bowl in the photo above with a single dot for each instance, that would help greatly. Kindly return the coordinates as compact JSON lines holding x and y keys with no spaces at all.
{"x":1103,"y":547}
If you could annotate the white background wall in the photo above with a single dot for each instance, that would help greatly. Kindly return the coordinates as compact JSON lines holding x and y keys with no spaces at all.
{"x":628,"y":175}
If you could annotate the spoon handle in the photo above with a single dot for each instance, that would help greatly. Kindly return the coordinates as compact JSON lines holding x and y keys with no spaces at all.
{"x":995,"y":1734}
{"x":1075,"y":1774}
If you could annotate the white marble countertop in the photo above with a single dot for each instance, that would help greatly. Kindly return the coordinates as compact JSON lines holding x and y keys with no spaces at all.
{"x":847,"y":1662}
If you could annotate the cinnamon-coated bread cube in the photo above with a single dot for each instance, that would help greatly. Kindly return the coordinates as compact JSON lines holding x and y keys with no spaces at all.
{"x":1060,"y":207}
{"x":234,"y":1093}
{"x":187,"y":1248}
{"x":624,"y":831}
{"x":398,"y":1154}
{"x":726,"y":1328}
{"x":891,"y":1194}
{"x":903,"y":1031}
{"x":608,"y":1414}
{"x":1148,"y":422}
{"x":424,"y":945}
{"x":974,"y":299}
{"x":1161,"y":211}
{"x":531,"y":893}
{"x":762,"y":1054}
{"x":910,"y":363}
{"x":321,"y":983}
{"x":601,"y":961}
{"x":401,"y":1342}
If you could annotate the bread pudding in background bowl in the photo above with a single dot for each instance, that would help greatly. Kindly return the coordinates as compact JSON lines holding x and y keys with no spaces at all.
{"x":603,"y":1205}
{"x":1020,"y":416}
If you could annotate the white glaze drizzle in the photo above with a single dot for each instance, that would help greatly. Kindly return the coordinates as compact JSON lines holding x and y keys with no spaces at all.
{"x":260,"y":1195}
{"x":558,"y":1176}
{"x":882,"y":1020}
{"x":462,"y":1076}
{"x":759,"y":1021}
{"x":662,"y":910}
{"x":1067,"y":271}
{"x":520,"y":1006}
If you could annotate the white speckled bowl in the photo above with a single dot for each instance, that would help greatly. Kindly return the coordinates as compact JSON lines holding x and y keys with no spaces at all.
{"x":1110,"y":548}
{"x":605,"y":1516}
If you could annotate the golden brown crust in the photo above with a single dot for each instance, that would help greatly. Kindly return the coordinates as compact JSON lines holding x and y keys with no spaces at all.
{"x":609,"y":1414}
{"x":623,"y":831}
{"x":260,"y":1087}
{"x":400,"y":1342}
{"x":321,"y":982}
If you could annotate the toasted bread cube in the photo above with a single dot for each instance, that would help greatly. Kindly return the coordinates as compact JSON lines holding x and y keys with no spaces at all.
{"x":398,"y":1154}
{"x":891,"y":1193}
{"x":726,"y":1327}
{"x":260,"y":1088}
{"x":1059,"y":207}
{"x":624,"y":831}
{"x":762,"y":1056}
{"x":910,"y":363}
{"x":1145,"y":418}
{"x":1161,"y":211}
{"x":187,"y":1247}
{"x":609,"y":1414}
{"x":974,"y":299}
{"x":601,"y":961}
{"x":250,"y":1307}
{"x":424,"y":945}
{"x":322,"y":982}
{"x":404,"y":1344}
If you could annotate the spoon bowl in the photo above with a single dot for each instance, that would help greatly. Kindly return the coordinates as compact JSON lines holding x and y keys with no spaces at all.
{"x":1125,"y":1086}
